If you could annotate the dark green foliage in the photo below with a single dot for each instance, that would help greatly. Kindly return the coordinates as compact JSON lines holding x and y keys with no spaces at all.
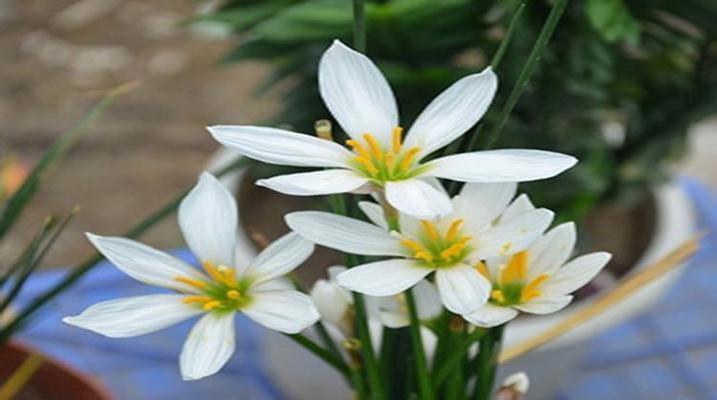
{"x":645,"y":65}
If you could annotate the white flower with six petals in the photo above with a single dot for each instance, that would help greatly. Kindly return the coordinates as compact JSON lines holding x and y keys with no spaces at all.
{"x":360,"y":99}
{"x":208,"y":219}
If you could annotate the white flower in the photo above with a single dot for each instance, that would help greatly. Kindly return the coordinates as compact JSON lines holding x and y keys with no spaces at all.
{"x":361,"y":100}
{"x":208,"y":219}
{"x":518,"y":381}
{"x":335,"y":304}
{"x":536,"y":280}
{"x":451,"y":247}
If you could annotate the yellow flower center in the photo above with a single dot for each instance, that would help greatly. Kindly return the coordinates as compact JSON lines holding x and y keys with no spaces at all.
{"x":382,"y":165}
{"x":221,"y":292}
{"x":439,"y":249}
{"x":510,"y":286}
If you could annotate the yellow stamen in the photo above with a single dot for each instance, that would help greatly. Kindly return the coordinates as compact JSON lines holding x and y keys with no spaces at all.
{"x":456,"y":248}
{"x":483,"y":269}
{"x":390,"y":161}
{"x":396,"y":139}
{"x":210,"y":305}
{"x":453,"y":230}
{"x":370,"y":168}
{"x":358,"y":148}
{"x":229,"y":276}
{"x":408,"y":158}
{"x":374,"y":146}
{"x":413,"y":245}
{"x":212,"y":271}
{"x":498,"y":296}
{"x":516,"y":269}
{"x":424,"y":255}
{"x":430,"y":229}
{"x":196,"y":299}
{"x":233,"y":294}
{"x":191,"y":282}
{"x":530,"y":291}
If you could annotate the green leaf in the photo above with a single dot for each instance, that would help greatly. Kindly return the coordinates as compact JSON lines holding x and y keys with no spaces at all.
{"x":613,"y":20}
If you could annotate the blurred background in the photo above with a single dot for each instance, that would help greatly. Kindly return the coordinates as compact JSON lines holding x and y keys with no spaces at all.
{"x":627,"y":86}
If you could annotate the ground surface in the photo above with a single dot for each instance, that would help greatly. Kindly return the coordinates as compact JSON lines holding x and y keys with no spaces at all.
{"x":57,"y":59}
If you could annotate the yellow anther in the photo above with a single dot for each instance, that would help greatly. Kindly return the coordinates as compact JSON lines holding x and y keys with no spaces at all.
{"x":455,"y":249}
{"x":359,"y":149}
{"x":191,"y":282}
{"x":229,"y":275}
{"x":396,"y":139}
{"x":530,"y":291}
{"x":430,"y":229}
{"x":234,"y":294}
{"x":453,"y":230}
{"x":408,"y":158}
{"x":516,"y":269}
{"x":366,"y":162}
{"x":482,"y":269}
{"x":210,"y":305}
{"x":374,"y":146}
{"x":413,"y":245}
{"x":212,"y":271}
{"x":196,"y":299}
{"x":498,"y":296}
{"x":424,"y":255}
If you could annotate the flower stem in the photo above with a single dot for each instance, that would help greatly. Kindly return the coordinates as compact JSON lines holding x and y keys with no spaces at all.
{"x":359,"y":26}
{"x":425,"y":388}
{"x":322,"y":353}
{"x":528,"y":69}
{"x":486,"y":362}
{"x":454,"y":359}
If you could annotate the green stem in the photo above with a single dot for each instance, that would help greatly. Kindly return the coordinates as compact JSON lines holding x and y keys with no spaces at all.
{"x":526,"y":73}
{"x":487,"y":362}
{"x":322,"y":353}
{"x":425,"y":388}
{"x":454,"y":359}
{"x":359,"y":26}
{"x":84,"y":267}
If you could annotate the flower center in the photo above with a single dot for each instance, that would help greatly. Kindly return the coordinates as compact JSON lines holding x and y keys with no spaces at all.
{"x":439,"y":249}
{"x":510,"y":286}
{"x":382,"y":165}
{"x":221,"y":292}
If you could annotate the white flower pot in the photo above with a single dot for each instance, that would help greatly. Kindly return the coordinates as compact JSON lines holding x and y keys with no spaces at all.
{"x":302,"y":377}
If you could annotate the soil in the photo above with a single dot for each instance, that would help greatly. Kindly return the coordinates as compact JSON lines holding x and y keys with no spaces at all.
{"x":625,"y":231}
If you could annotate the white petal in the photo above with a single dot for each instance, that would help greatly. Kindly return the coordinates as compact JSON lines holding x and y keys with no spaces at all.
{"x":344,"y":233}
{"x":277,"y":146}
{"x":330,"y":301}
{"x":577,"y":273}
{"x":518,"y":206}
{"x":287,"y":311}
{"x":453,"y":112}
{"x":374,"y":213}
{"x":315,"y":183}
{"x":418,"y":199}
{"x":428,"y":301}
{"x":281,"y":257}
{"x":144,"y":263}
{"x":208,"y":347}
{"x":479,"y":204}
{"x":133,"y":316}
{"x":208,"y":219}
{"x":545,"y":304}
{"x":383,"y":278}
{"x":462,"y":289}
{"x":551,"y":250}
{"x":512,"y":236}
{"x":356,"y":93}
{"x":500,"y":166}
{"x":491,"y":315}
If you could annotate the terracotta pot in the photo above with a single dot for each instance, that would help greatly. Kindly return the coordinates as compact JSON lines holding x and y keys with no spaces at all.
{"x":53,"y":380}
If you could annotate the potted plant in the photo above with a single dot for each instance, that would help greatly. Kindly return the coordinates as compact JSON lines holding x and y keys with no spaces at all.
{"x":618,"y":87}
